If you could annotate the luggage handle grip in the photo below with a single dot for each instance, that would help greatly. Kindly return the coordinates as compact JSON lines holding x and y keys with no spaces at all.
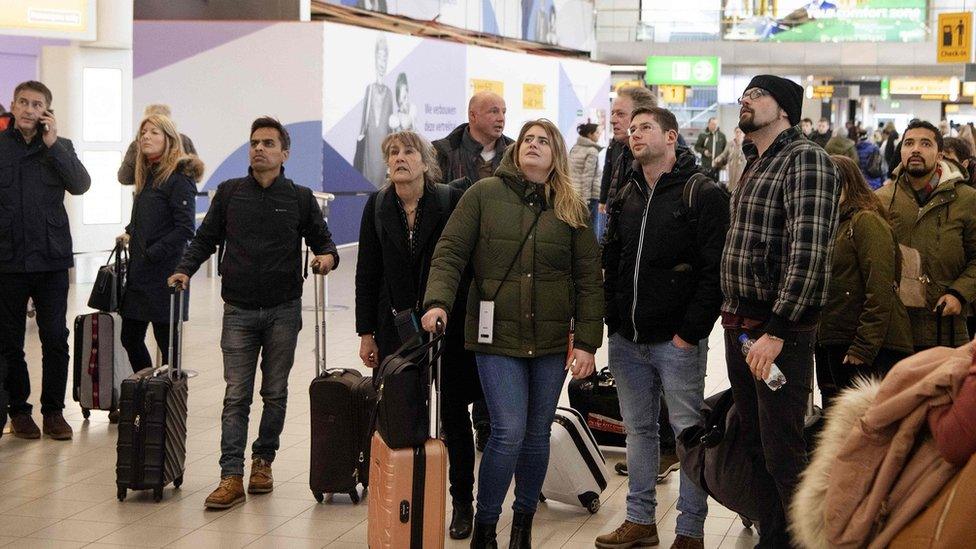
{"x":176,"y":329}
{"x":320,"y":324}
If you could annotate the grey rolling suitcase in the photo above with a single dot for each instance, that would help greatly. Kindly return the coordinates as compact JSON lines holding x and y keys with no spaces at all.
{"x":100,"y":362}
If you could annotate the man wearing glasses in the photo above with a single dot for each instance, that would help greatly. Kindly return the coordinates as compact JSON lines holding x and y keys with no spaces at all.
{"x":774,"y":275}
{"x":661,"y":259}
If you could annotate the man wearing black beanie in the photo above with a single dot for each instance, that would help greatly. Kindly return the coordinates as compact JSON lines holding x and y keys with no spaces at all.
{"x":774,"y":275}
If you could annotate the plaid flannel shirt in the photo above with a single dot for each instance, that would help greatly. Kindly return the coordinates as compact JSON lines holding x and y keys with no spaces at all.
{"x":776,"y":261}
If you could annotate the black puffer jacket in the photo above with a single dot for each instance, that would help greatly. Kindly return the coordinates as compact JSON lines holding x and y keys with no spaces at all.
{"x":34,"y":231}
{"x":159,"y":228}
{"x":675,"y":289}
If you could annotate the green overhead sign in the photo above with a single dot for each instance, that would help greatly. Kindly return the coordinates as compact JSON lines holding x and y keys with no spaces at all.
{"x":683,"y":71}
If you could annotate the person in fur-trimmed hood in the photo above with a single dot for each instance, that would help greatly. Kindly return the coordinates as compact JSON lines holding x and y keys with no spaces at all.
{"x":160,"y":226}
{"x":875,"y":467}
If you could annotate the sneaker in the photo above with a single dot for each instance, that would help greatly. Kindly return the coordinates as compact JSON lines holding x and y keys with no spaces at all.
{"x":23,"y":426}
{"x":261,"y":481}
{"x":669,"y":463}
{"x":228,"y":494}
{"x":628,"y":535}
{"x":685,"y":542}
{"x":56,"y":427}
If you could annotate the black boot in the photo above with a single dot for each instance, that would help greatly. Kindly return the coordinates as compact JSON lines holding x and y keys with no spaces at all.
{"x":521,"y":531}
{"x":484,"y":536}
{"x":461,"y":519}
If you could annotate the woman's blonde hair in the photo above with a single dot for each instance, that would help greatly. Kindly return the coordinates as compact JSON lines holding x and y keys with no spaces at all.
{"x":172,"y":152}
{"x":416,"y":141}
{"x":567,"y":204}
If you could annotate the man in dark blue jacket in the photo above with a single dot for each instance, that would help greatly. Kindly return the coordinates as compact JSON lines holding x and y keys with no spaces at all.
{"x":36,"y":167}
{"x":261,"y":220}
{"x":661,"y":257}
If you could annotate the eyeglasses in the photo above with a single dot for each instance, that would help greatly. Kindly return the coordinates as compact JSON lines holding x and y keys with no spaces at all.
{"x":643,"y":128}
{"x":752,"y":95}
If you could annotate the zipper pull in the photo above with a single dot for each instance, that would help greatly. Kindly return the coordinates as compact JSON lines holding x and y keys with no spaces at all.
{"x":135,"y":422}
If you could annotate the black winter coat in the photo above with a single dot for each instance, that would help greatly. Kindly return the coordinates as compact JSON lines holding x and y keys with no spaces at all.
{"x":385,"y":268}
{"x":34,"y":231}
{"x":456,"y":154}
{"x":676,"y":286}
{"x":159,"y":228}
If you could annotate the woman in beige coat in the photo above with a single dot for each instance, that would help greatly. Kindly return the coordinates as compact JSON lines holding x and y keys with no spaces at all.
{"x":584,"y":168}
{"x":733,"y":159}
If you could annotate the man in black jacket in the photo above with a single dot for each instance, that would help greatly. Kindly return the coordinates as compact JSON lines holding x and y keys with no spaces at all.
{"x":261,"y":219}
{"x":36,"y":168}
{"x":661,"y":258}
{"x":618,"y":161}
{"x":468,"y":154}
{"x":474,"y":150}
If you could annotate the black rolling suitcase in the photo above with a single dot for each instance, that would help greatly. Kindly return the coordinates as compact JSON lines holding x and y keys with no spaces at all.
{"x":595,"y":398}
{"x":341,"y":402}
{"x":152,"y":422}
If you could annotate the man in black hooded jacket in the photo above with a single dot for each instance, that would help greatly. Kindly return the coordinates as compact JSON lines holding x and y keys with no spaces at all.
{"x":661,"y":258}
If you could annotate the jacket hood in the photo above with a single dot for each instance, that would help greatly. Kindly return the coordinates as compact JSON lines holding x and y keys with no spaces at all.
{"x":191,"y":166}
{"x":951,"y":173}
{"x":587,"y":142}
{"x":808,"y":522}
{"x":507,"y":168}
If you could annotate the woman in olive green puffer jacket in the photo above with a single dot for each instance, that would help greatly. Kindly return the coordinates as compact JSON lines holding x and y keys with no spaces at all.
{"x":864,"y":327}
{"x":526,"y":234}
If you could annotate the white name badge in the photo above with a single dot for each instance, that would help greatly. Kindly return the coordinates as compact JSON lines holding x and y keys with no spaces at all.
{"x":486,"y":322}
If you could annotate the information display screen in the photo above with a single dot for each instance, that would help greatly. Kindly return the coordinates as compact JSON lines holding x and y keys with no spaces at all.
{"x":825,"y":20}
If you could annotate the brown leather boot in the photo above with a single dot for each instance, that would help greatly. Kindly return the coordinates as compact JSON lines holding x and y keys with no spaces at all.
{"x":228,"y":494}
{"x":23,"y":426}
{"x":628,"y":535}
{"x":56,"y":427}
{"x":261,"y":481}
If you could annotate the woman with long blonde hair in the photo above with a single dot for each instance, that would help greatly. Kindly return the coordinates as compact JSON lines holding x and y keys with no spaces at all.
{"x":536,"y":266}
{"x":161,"y":223}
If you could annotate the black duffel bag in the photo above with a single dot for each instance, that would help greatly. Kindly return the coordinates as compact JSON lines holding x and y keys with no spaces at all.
{"x":715,"y":458}
{"x":106,"y":294}
{"x":402,"y":412}
{"x":595,"y":398}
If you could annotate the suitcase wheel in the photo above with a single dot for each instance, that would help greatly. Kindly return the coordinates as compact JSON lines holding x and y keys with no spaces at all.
{"x":178,"y":481}
{"x":157,"y":494}
{"x":590,"y":501}
{"x":319,"y":496}
{"x":354,"y":496}
{"x":121,"y":494}
{"x":85,"y":413}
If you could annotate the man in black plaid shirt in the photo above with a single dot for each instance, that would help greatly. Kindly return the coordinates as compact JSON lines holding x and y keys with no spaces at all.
{"x":775,"y":269}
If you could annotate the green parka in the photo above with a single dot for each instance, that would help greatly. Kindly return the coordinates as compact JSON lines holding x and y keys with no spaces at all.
{"x":863,"y":310}
{"x":556,"y":278}
{"x":944,"y":233}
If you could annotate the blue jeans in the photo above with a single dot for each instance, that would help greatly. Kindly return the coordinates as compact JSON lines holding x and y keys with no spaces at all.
{"x":273,"y":333}
{"x":522,"y":394}
{"x":641,"y":372}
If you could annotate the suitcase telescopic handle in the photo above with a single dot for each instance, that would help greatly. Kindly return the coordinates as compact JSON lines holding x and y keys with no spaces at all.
{"x":436,"y":350}
{"x":176,"y":328}
{"x":320,"y":324}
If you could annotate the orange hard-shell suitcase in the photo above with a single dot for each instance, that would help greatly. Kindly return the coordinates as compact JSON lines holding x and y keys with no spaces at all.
{"x":408,"y":489}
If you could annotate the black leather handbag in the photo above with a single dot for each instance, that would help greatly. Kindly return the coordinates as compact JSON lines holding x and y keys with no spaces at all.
{"x":402,"y":397}
{"x":106,"y":294}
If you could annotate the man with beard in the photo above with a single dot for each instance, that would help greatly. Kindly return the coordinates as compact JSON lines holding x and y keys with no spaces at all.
{"x":934,"y":211}
{"x":774,"y":276}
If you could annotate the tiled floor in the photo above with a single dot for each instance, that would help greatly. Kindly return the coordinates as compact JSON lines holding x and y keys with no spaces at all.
{"x":62,"y":494}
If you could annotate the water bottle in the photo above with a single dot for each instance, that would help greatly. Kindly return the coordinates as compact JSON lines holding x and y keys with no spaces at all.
{"x":776,"y":379}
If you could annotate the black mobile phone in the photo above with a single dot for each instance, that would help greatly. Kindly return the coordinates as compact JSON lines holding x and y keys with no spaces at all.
{"x":49,"y":112}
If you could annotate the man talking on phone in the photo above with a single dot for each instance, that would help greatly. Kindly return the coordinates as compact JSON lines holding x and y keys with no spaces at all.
{"x":36,"y":168}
